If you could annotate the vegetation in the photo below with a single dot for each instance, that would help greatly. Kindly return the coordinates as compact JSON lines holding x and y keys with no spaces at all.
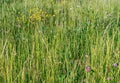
{"x":59,"y":41}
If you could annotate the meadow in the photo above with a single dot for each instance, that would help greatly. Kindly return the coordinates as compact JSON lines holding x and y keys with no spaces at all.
{"x":59,"y":41}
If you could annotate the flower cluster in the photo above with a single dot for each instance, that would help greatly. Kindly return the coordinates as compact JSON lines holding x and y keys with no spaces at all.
{"x":33,"y":15}
{"x":37,"y":15}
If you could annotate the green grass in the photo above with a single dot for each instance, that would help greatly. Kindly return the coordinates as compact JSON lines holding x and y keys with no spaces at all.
{"x":69,"y":36}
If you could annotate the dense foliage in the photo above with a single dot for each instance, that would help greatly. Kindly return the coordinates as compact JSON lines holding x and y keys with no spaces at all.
{"x":59,"y":41}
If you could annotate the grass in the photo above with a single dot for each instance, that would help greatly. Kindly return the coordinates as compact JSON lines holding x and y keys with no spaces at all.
{"x":59,"y":41}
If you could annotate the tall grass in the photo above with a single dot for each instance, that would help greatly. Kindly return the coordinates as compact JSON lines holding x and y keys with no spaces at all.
{"x":55,"y":41}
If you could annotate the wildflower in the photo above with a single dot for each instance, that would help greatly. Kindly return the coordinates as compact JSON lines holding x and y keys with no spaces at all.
{"x":115,"y":64}
{"x":88,"y":69}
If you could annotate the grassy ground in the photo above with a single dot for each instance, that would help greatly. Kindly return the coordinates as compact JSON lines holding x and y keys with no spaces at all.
{"x":59,"y":41}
